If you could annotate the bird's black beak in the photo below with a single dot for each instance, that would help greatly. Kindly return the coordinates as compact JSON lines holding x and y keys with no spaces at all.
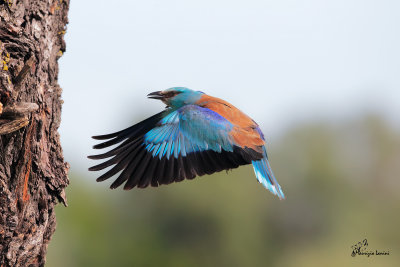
{"x":156,"y":95}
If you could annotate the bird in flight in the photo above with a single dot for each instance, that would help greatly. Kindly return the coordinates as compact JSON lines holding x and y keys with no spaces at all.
{"x":196,"y":134}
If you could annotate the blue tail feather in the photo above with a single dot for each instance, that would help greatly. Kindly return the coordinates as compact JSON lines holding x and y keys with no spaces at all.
{"x":266,"y":177}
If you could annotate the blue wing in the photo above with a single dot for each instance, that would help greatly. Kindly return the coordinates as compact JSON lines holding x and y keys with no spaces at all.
{"x":187,"y":130}
{"x":172,"y":146}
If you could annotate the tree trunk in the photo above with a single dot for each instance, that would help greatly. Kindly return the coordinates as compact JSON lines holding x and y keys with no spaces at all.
{"x":33,"y":174}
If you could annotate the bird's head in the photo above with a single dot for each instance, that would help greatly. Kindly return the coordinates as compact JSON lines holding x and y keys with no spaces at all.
{"x":177,"y":97}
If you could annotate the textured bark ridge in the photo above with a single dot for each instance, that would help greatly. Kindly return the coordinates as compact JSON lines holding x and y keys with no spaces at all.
{"x":33,"y":174}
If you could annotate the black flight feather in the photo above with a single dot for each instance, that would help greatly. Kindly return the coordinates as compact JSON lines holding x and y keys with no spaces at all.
{"x":140,"y":169}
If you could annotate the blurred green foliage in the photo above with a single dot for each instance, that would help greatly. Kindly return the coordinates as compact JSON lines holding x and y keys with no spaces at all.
{"x":341,"y":181}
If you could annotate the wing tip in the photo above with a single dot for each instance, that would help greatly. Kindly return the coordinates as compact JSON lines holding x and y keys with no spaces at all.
{"x":91,"y":169}
{"x":105,"y":136}
{"x":100,"y":146}
{"x":127,"y":188}
{"x":113,"y":186}
{"x":101,"y":179}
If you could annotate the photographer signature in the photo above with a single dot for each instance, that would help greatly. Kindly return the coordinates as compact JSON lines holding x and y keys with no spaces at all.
{"x":361,"y":249}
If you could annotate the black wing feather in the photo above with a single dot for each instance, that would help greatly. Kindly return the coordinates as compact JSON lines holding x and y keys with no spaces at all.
{"x":140,"y":169}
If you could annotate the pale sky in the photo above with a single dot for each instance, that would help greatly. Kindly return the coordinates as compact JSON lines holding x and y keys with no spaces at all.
{"x":281,"y":62}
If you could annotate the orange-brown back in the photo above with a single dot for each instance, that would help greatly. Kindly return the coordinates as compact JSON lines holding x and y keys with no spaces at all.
{"x":244,"y":130}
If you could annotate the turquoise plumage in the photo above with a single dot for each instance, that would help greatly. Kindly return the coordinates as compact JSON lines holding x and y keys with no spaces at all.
{"x":195,"y":135}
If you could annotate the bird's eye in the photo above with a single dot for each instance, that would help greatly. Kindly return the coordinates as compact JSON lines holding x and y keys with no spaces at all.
{"x":171,"y":94}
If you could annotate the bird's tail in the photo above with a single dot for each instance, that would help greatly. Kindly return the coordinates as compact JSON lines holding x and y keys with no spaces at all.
{"x":266,"y":177}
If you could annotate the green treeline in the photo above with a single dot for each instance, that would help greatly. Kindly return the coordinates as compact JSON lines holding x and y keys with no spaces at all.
{"x":342,"y":185}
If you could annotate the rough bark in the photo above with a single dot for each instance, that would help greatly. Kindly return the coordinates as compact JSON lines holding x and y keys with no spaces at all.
{"x":33,"y":174}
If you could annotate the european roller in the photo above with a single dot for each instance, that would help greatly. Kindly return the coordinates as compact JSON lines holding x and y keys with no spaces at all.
{"x":196,"y":134}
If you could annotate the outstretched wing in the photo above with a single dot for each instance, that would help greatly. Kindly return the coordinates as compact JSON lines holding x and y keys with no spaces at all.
{"x":172,"y":146}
